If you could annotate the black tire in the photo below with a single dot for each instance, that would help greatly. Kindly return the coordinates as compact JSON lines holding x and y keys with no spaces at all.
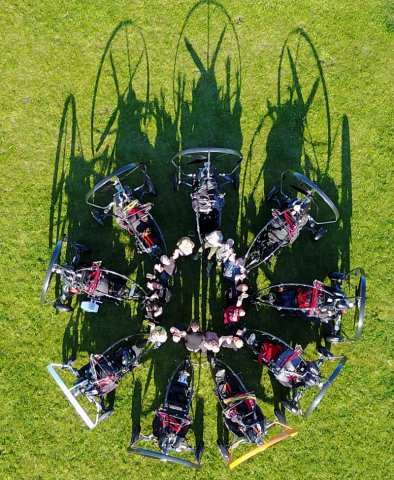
{"x":319,"y":234}
{"x":334,"y":339}
{"x":62,"y":307}
{"x":97,"y":216}
{"x":337,"y":276}
{"x":151,"y":186}
{"x":291,"y":408}
{"x":236,"y":181}
{"x":81,"y":248}
{"x":49,"y":273}
{"x":224,"y":451}
{"x":175,"y":183}
{"x":280,"y":416}
{"x":199,"y":452}
{"x":105,"y":415}
{"x":325,"y":352}
{"x":136,"y":435}
{"x":271,"y":194}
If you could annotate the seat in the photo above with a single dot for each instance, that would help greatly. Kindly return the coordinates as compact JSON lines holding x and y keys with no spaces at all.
{"x":177,"y":396}
{"x":288,"y":299}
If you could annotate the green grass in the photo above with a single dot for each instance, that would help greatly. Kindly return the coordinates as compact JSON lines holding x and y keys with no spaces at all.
{"x":51,"y":55}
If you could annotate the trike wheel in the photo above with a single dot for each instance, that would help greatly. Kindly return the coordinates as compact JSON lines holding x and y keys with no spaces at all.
{"x":105,"y":415}
{"x":62,"y":307}
{"x":136,"y":435}
{"x":236,"y":181}
{"x":97,"y":216}
{"x":355,"y":289}
{"x":48,"y":276}
{"x":81,"y":248}
{"x":334,"y":339}
{"x":271,"y":194}
{"x":199,"y":452}
{"x":319,"y":234}
{"x":175,"y":183}
{"x":151,"y":186}
{"x":280,"y":416}
{"x":224,"y":451}
{"x":290,"y":407}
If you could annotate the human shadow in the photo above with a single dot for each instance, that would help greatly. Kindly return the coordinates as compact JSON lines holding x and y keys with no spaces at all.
{"x":251,"y":215}
{"x":131,"y":146}
{"x":68,"y":152}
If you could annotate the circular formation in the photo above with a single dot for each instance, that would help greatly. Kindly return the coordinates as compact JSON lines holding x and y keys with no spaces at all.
{"x":206,"y":172}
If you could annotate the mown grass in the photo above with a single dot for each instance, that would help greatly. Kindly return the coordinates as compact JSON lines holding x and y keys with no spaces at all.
{"x":51,"y":55}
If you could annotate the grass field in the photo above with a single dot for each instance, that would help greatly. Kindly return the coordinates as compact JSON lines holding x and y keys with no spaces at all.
{"x":201,"y":74}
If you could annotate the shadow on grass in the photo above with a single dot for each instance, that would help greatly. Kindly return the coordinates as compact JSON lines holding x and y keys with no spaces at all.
{"x":120,"y":108}
{"x":345,"y":204}
{"x":206,"y":96}
{"x":163,"y":364}
{"x":69,"y":214}
{"x":124,"y":63}
{"x":199,"y":420}
{"x":207,"y":88}
{"x":136,"y":405}
{"x":295,"y":140}
{"x":68,"y":151}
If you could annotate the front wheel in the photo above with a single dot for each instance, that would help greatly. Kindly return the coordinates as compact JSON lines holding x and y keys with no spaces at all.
{"x":280,"y":416}
{"x":337,"y":276}
{"x":224,"y":451}
{"x":151,"y":186}
{"x":199,"y":452}
{"x":271,"y":194}
{"x":62,"y":307}
{"x":319,"y":234}
{"x":105,"y":415}
{"x":290,"y":407}
{"x":81,"y":248}
{"x":334,"y":339}
{"x":236,"y":181}
{"x":175,"y":183}
{"x":136,"y":435}
{"x":97,"y":216}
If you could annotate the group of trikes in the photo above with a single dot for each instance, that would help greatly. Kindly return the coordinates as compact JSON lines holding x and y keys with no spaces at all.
{"x":206,"y":172}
